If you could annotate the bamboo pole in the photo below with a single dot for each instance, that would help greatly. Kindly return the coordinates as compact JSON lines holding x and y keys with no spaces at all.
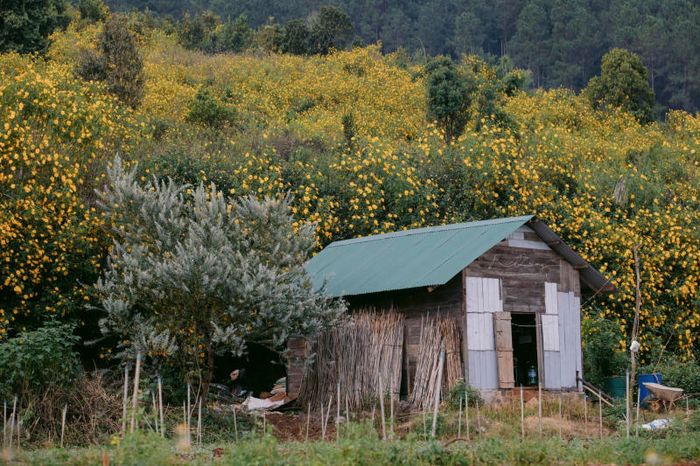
{"x":636,"y":422}
{"x":539,"y":408}
{"x":478,"y":417}
{"x":459,"y":421}
{"x":155,"y":411}
{"x":199,"y":423}
{"x":13,"y":420}
{"x":391,"y":411}
{"x":63,"y":422}
{"x":125,"y":400}
{"x":235,"y":423}
{"x":627,"y":403}
{"x":323,"y":429}
{"x":466,"y":411}
{"x":308,"y":420}
{"x":328,"y":414}
{"x":522,"y":413}
{"x":561,"y":421}
{"x":135,"y":395}
{"x":585,"y":416}
{"x":381,"y":409}
{"x":337,"y":416}
{"x":4,"y":422}
{"x":160,"y":407}
{"x":441,"y":363}
{"x":188,"y":416}
{"x":600,"y":415}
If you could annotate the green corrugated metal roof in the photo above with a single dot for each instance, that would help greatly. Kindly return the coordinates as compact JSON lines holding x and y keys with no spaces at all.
{"x":406,"y":259}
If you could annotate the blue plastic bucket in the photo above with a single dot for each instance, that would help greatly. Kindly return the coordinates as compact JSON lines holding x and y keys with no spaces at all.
{"x":643,"y":392}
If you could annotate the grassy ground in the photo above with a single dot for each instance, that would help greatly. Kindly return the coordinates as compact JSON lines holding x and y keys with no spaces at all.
{"x":497,"y":442}
{"x":363,"y":447}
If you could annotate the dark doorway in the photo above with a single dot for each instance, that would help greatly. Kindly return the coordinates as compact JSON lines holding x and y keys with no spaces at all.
{"x":525,"y":349}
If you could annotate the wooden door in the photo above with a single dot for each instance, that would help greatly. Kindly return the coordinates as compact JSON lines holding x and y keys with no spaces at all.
{"x":504,"y":349}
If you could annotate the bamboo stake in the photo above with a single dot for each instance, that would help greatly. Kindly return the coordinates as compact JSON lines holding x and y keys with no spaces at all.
{"x":13,"y":420}
{"x":600,"y":415}
{"x":125,"y":400}
{"x":522,"y":413}
{"x":459,"y":422}
{"x":188,"y":416}
{"x":19,"y":429}
{"x":436,"y":407}
{"x":381,"y":407}
{"x":323,"y":429}
{"x":328,"y":414}
{"x":135,"y":397}
{"x":264,"y":429}
{"x":337,"y":416}
{"x":4,"y":422}
{"x":199,"y":422}
{"x":160,"y":407}
{"x":308,"y":420}
{"x":63,"y":422}
{"x":539,"y":408}
{"x":155,"y":411}
{"x":636,"y":422}
{"x":391,"y":410}
{"x":184,"y":421}
{"x":347,"y":408}
{"x":466,"y":411}
{"x":478,"y":418}
{"x":627,"y":403}
{"x":561,"y":421}
{"x":585,"y":416}
{"x":235,"y":423}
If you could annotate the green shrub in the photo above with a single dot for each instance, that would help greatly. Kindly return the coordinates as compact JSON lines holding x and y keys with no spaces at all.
{"x":92,"y":10}
{"x":90,"y":66}
{"x":38,"y":360}
{"x":460,"y":392}
{"x":123,"y":62}
{"x":602,"y":356}
{"x":205,"y":109}
{"x":685,"y":375}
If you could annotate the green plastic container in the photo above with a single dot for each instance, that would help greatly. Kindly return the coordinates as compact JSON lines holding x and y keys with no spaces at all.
{"x":615,"y":386}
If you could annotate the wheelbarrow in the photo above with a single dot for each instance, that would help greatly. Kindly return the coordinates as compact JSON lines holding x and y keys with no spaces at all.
{"x":667,"y":395}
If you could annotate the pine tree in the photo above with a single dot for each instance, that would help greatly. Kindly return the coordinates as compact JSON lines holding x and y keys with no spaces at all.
{"x":122,"y":60}
{"x":25,"y":25}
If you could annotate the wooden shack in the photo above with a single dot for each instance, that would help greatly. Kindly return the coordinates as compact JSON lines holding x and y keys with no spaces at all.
{"x":513,"y":286}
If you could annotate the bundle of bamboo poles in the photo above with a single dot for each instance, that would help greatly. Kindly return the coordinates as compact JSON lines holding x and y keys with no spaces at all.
{"x":355,"y":356}
{"x":437,"y":334}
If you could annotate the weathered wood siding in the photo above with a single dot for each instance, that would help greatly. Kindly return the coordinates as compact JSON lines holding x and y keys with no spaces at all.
{"x":532,"y":279}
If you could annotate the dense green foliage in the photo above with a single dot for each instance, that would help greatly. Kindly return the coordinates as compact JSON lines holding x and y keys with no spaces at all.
{"x":623,"y":83}
{"x":39,"y":361}
{"x":449,"y":96}
{"x":25,"y":25}
{"x":561,"y":41}
{"x":123,"y":63}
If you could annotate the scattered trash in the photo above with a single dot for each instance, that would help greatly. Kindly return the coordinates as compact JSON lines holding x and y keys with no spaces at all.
{"x":657,"y":424}
{"x":255,"y":404}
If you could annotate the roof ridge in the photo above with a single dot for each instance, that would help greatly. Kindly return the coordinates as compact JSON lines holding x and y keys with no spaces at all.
{"x":430,"y":229}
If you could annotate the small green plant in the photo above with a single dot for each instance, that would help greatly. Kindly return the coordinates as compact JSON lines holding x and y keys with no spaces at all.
{"x":35,"y":361}
{"x":206,"y":110}
{"x":461,"y":392}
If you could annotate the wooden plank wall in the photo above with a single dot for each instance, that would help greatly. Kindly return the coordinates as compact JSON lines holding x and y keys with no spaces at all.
{"x":533,"y":279}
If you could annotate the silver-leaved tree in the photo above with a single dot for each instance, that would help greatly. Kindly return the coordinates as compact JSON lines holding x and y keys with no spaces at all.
{"x":192,"y":274}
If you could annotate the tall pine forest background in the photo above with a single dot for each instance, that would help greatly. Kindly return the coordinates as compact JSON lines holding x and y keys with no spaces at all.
{"x":375,"y":116}
{"x":561,"y":41}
